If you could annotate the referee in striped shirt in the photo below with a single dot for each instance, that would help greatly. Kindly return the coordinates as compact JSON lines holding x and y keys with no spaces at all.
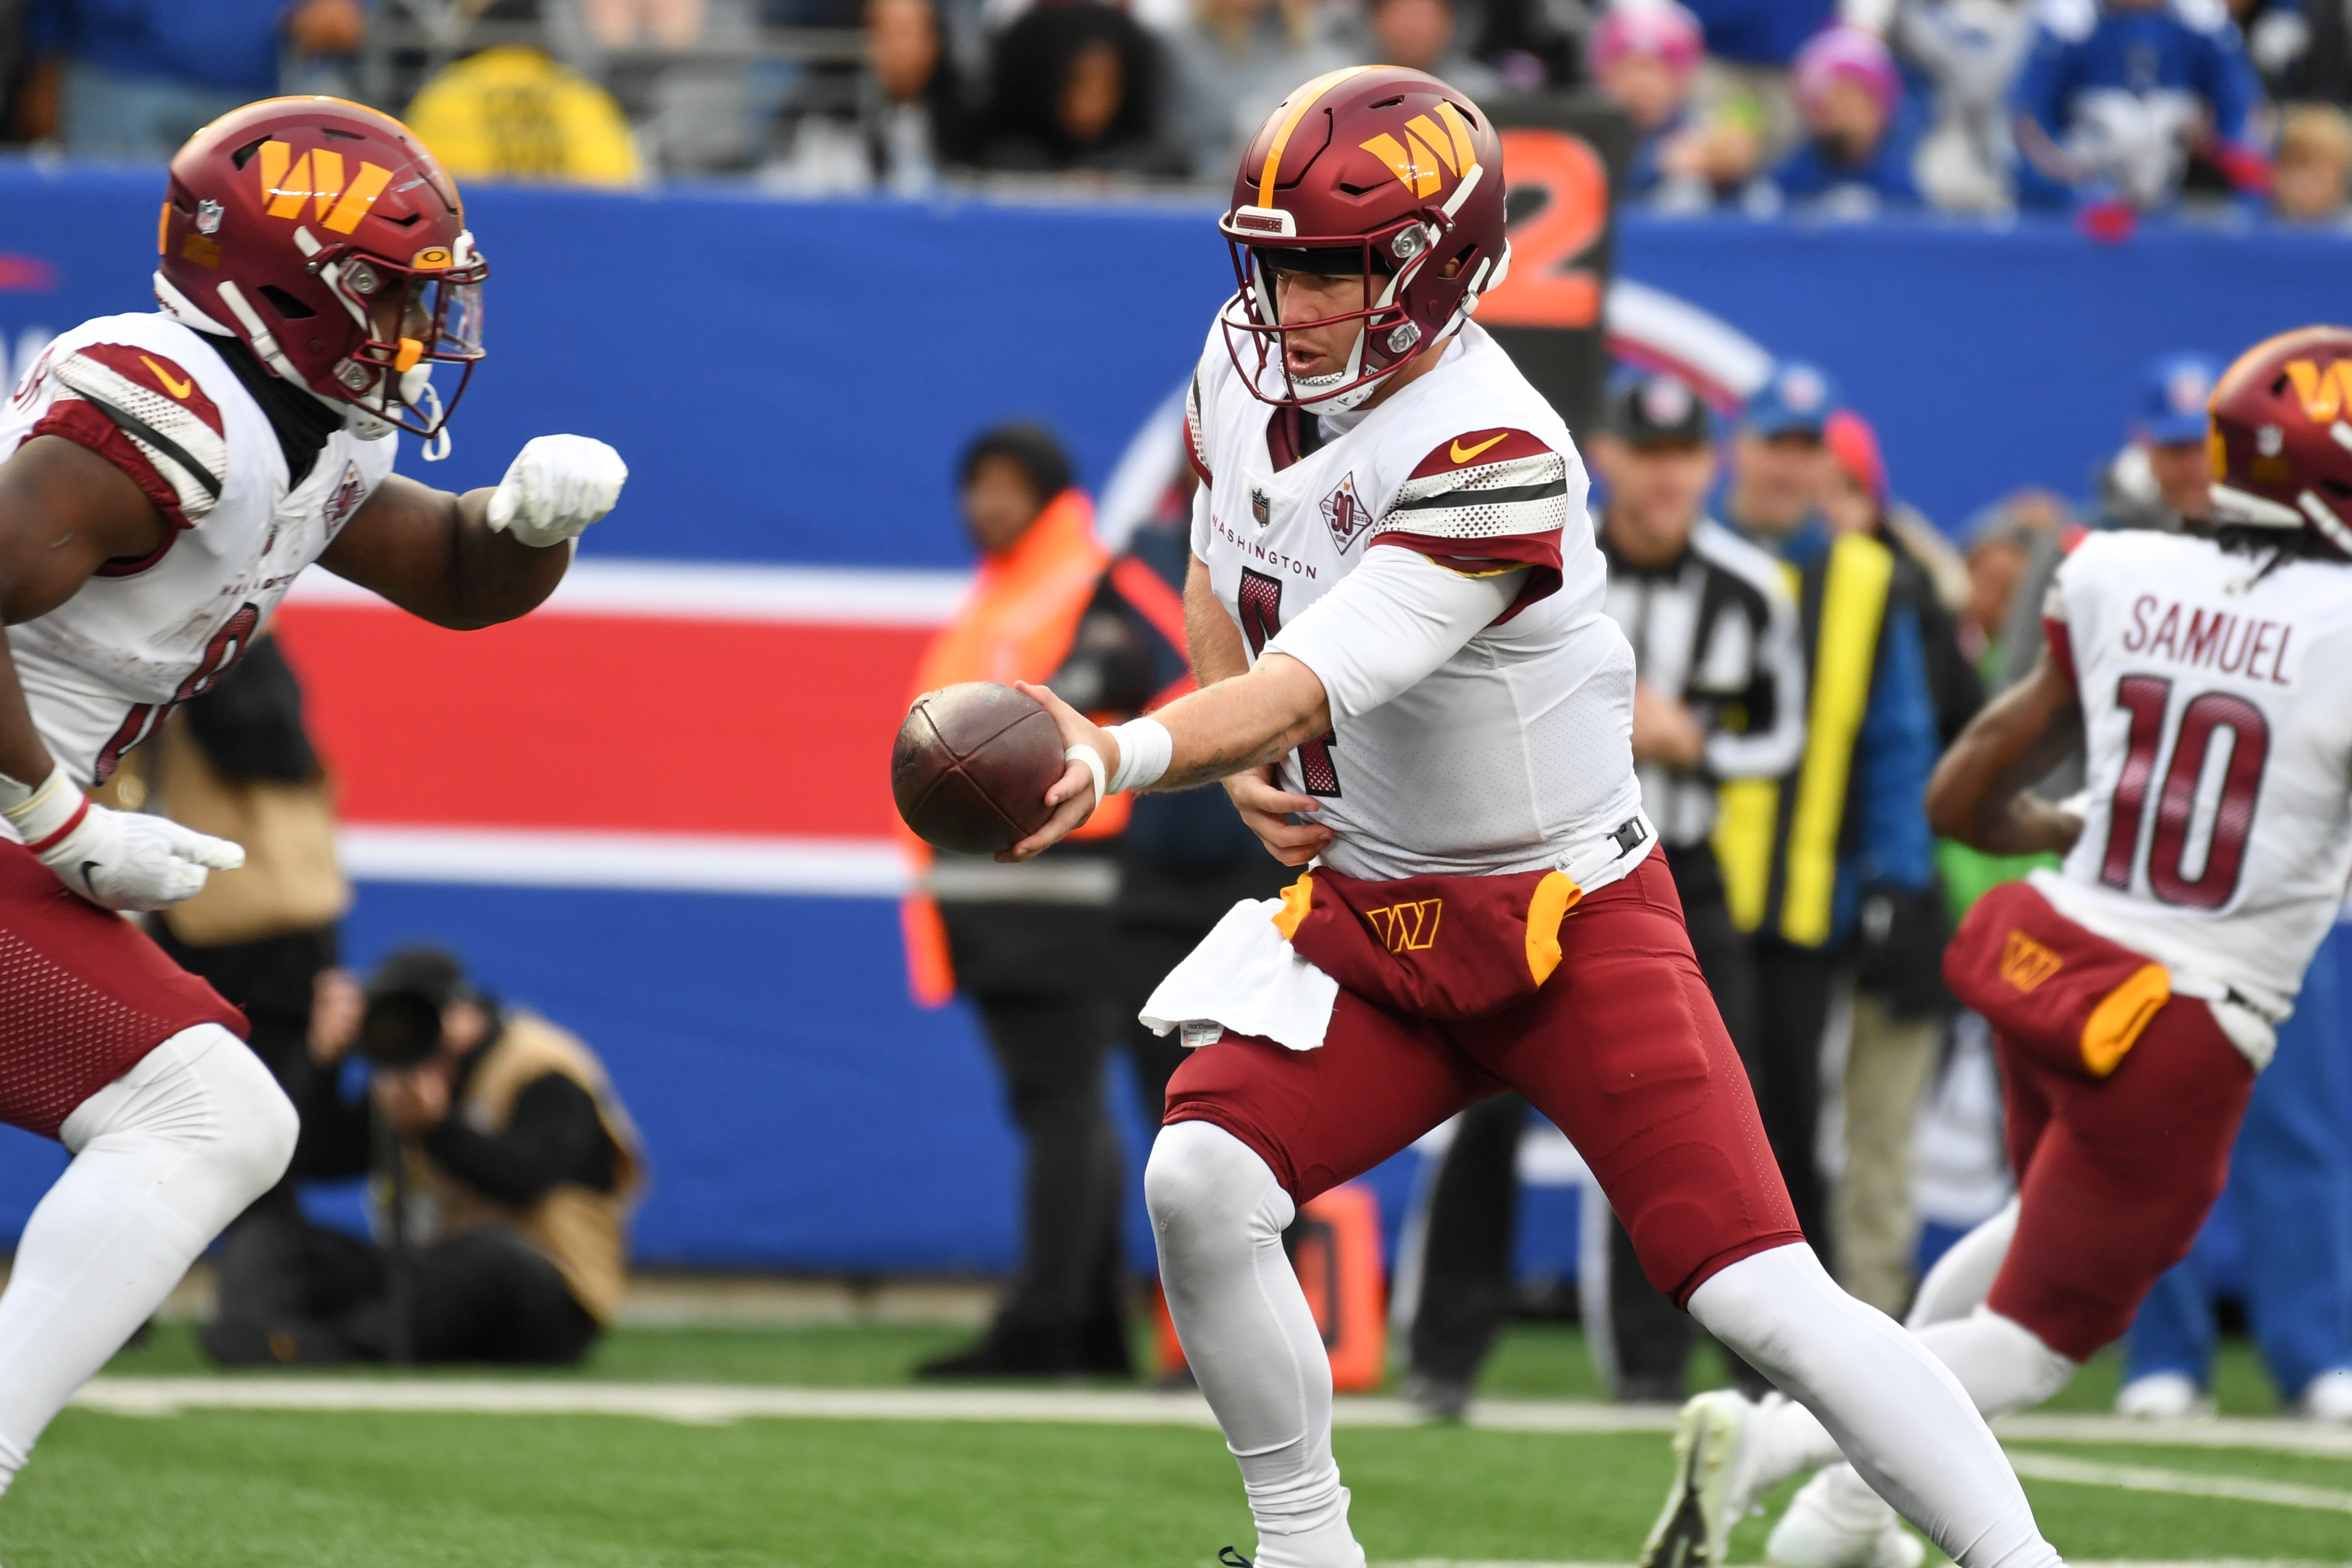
{"x":1720,"y":695}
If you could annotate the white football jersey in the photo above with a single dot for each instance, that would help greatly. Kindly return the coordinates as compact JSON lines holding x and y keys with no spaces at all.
{"x":2217,"y":707}
{"x":152,"y":398}
{"x":1517,"y":750}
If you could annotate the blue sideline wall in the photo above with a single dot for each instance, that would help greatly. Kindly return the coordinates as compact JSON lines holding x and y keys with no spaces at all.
{"x":791,"y":382}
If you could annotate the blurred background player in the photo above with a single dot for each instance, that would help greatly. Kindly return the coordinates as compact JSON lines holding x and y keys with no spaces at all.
{"x":2134,"y":996}
{"x":1030,"y":945}
{"x":199,"y":462}
{"x":519,"y":1166}
{"x":1719,"y":695}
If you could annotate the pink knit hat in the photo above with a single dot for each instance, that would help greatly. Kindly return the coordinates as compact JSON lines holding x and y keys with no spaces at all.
{"x":1846,"y":54}
{"x":1659,"y":29}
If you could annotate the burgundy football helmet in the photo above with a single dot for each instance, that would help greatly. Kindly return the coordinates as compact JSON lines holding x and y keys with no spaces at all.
{"x":2280,"y":436}
{"x":329,"y":240}
{"x":1375,"y":172}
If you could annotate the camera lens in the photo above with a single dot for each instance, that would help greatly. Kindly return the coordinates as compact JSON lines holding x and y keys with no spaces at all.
{"x":400,"y":1029}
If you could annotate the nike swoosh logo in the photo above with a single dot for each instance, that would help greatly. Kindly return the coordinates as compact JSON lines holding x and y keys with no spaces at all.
{"x":87,"y":879}
{"x":182,"y":388}
{"x":1459,"y":455}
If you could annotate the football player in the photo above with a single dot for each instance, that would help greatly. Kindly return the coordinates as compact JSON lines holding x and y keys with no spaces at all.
{"x":2133,"y":992}
{"x":166,"y":476}
{"x":1398,"y":606}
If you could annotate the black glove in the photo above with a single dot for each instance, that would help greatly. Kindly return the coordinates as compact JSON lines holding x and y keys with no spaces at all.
{"x":1899,"y":940}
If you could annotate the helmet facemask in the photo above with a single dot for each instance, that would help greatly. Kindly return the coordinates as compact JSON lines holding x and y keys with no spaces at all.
{"x":1386,"y":338}
{"x":410,"y":318}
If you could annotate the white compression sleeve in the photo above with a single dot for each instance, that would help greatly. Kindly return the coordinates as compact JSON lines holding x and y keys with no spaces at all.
{"x":1877,"y":1394}
{"x":1218,"y":1215}
{"x":164,"y":1157}
{"x":2003,"y":1365}
{"x":1389,"y":624}
{"x":1963,"y":1277}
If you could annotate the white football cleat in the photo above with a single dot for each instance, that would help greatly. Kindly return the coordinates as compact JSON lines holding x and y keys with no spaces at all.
{"x":1714,"y":1465}
{"x":2327,"y":1398}
{"x":1837,"y":1522}
{"x":2163,"y":1396}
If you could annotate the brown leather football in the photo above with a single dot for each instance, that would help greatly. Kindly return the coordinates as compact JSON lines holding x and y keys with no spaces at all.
{"x":972,"y":767}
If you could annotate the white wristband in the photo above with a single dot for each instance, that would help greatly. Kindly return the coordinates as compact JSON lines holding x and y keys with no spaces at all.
{"x":1145,"y":750}
{"x":48,"y":812}
{"x":1093,"y":759}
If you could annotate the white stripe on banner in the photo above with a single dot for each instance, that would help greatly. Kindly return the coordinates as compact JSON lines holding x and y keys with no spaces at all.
{"x":718,"y":591}
{"x":666,"y":862}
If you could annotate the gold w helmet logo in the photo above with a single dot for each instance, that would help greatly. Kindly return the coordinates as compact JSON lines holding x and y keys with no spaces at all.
{"x":1426,"y":150}
{"x":2325,"y":391}
{"x":288,"y":182}
{"x":1407,"y":927}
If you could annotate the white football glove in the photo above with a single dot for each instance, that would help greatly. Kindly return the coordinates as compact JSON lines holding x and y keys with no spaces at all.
{"x":116,"y":859}
{"x":555,"y":488}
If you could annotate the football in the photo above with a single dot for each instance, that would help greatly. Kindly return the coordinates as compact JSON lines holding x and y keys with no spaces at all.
{"x":972,"y":767}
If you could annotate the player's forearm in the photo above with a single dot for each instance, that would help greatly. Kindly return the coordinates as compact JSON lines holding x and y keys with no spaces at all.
{"x":1215,"y":642}
{"x":499,"y":577}
{"x":23,"y":756}
{"x":1979,"y":792}
{"x":433,"y":554}
{"x":1242,"y":723}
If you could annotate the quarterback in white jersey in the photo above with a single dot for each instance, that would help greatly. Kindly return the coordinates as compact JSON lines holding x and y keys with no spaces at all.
{"x":1410,"y":688}
{"x":1513,"y":749}
{"x":163,"y":479}
{"x":2132,"y":992}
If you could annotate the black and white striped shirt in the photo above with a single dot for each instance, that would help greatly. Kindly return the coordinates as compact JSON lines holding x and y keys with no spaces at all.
{"x":1716,"y":628}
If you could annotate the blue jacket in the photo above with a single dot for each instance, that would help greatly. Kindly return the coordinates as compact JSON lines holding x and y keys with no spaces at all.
{"x":232,"y":44}
{"x":1760,"y":32}
{"x":1812,"y":172}
{"x":2182,"y":55}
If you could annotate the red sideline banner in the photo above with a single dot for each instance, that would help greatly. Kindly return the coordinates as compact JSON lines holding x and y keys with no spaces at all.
{"x":648,"y":712}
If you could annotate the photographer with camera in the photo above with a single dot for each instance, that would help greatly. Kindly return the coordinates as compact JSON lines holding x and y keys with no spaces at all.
{"x":504,"y":1167}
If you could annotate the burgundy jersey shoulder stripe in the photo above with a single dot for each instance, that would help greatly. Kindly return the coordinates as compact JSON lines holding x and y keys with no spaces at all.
{"x":1540,"y":553}
{"x":1477,"y":449}
{"x":146,"y":415}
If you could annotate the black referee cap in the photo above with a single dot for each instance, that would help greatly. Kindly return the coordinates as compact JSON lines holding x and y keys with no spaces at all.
{"x":1655,"y":409}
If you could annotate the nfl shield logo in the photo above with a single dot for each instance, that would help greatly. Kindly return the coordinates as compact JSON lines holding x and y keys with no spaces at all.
{"x":1261,"y":507}
{"x":1345,"y":516}
{"x":208,"y":217}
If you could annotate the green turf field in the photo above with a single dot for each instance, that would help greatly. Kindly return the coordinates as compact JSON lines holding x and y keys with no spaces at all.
{"x":359,"y":1488}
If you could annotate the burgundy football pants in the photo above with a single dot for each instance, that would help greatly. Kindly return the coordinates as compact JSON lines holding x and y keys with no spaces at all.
{"x":1622,"y":1048}
{"x":84,"y":995}
{"x":2116,"y":1174}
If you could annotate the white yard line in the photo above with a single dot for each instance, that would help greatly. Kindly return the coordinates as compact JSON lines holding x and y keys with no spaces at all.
{"x":2181,"y":1483}
{"x":731,"y":1402}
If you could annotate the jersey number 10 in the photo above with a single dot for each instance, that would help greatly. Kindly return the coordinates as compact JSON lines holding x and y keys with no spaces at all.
{"x":2148,"y":698}
{"x":1261,"y":605}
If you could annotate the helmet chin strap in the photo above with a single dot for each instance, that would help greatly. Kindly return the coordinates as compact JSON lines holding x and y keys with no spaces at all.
{"x":434,"y":450}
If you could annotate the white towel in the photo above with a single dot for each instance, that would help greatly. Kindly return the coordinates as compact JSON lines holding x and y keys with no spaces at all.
{"x":1244,"y":978}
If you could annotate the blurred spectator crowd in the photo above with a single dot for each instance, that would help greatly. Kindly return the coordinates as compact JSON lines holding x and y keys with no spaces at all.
{"x":2106,"y":109}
